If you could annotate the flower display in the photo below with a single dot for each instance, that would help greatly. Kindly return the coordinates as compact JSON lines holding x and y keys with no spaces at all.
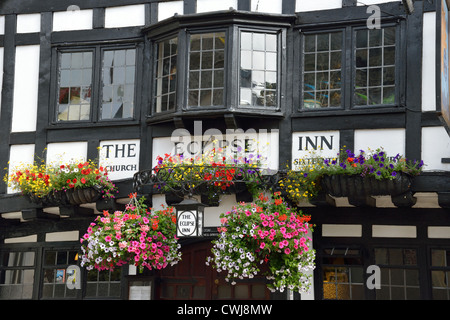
{"x":304,"y":181}
{"x":265,"y":232}
{"x":211,"y":170}
{"x":40,"y":180}
{"x":136,"y":236}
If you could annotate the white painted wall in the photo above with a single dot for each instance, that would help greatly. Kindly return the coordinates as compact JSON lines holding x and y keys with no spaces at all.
{"x":66,"y":152}
{"x":269,"y":6}
{"x":27,"y":23}
{"x":391,"y":140}
{"x":2,"y":24}
{"x":429,"y":62}
{"x":168,"y":9}
{"x":72,"y":20}
{"x":1,"y":77}
{"x":125,"y":16}
{"x":208,"y":5}
{"x":19,"y":155}
{"x":305,"y":5}
{"x":26,"y":83}
{"x":370,"y":2}
{"x":435,"y":146}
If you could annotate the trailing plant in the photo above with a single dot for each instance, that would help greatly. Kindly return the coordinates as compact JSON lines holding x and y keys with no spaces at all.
{"x":42,"y":179}
{"x":265,"y":232}
{"x":137,"y":236}
{"x":304,"y":181}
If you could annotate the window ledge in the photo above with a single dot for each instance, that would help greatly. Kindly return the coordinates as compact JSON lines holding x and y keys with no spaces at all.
{"x":228,"y":114}
{"x":342,"y":112}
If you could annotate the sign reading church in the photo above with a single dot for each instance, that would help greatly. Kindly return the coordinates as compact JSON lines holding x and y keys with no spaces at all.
{"x":120,"y":158}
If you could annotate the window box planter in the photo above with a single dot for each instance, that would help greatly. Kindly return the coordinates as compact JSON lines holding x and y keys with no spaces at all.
{"x":84,"y":195}
{"x":52,"y":199}
{"x":358,"y":188}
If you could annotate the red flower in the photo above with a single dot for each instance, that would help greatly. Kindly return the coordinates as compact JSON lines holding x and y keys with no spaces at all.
{"x":83,"y":180}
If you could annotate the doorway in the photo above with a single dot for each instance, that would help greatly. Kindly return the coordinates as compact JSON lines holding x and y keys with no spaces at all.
{"x":192,"y":279}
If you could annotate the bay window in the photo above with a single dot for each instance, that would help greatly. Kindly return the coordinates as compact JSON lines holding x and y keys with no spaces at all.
{"x":166,"y":75}
{"x":220,"y":67}
{"x":206,"y":69}
{"x":258,"y":69}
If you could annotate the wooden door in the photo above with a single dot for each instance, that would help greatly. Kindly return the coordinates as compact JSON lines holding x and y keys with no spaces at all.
{"x":192,"y":279}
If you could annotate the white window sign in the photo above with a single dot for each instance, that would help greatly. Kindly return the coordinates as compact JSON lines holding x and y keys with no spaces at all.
{"x":120,"y":158}
{"x":305,"y":145}
{"x":262,"y":144}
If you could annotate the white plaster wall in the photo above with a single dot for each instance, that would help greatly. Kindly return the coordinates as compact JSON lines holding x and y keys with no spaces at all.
{"x":125,"y":16}
{"x":19,"y":155}
{"x":1,"y":77}
{"x":305,"y":5}
{"x":26,"y":83}
{"x":63,"y":236}
{"x":391,"y":140}
{"x":2,"y":24}
{"x":435,"y":146}
{"x":269,"y":6}
{"x":72,"y":20}
{"x":208,"y":5}
{"x":370,"y":2}
{"x":391,"y":231}
{"x":27,"y":23}
{"x":168,"y":9}
{"x":66,"y":152}
{"x":429,"y":62}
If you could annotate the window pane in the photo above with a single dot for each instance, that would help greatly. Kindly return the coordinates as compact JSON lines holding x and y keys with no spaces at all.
{"x":75,"y":78}
{"x":206,"y":69}
{"x":259,"y":68}
{"x":118,"y":69}
{"x":375,"y":57}
{"x":165,"y":77}
{"x":322,"y":70}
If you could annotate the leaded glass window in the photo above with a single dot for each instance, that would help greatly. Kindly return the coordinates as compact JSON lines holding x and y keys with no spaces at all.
{"x":166,"y":75}
{"x":206,"y":69}
{"x":322,"y":70}
{"x":375,"y":67}
{"x":258,"y":83}
{"x":75,"y":86}
{"x":399,"y":274}
{"x":440,"y":274}
{"x":17,"y":274}
{"x":118,"y":77}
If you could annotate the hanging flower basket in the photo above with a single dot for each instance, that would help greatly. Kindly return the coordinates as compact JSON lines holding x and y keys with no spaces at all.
{"x":173,"y":198}
{"x":135,"y":236}
{"x":84,"y":195}
{"x":265,"y":237}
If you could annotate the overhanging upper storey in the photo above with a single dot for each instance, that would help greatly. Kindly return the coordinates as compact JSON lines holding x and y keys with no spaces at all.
{"x":226,"y":63}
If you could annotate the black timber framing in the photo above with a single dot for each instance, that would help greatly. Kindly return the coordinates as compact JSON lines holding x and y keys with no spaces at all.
{"x":410,"y":117}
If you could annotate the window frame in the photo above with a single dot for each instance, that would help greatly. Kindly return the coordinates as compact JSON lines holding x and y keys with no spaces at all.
{"x":226,"y":68}
{"x":232,"y":29}
{"x":349,"y":68}
{"x":281,"y":66}
{"x":97,"y":50}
